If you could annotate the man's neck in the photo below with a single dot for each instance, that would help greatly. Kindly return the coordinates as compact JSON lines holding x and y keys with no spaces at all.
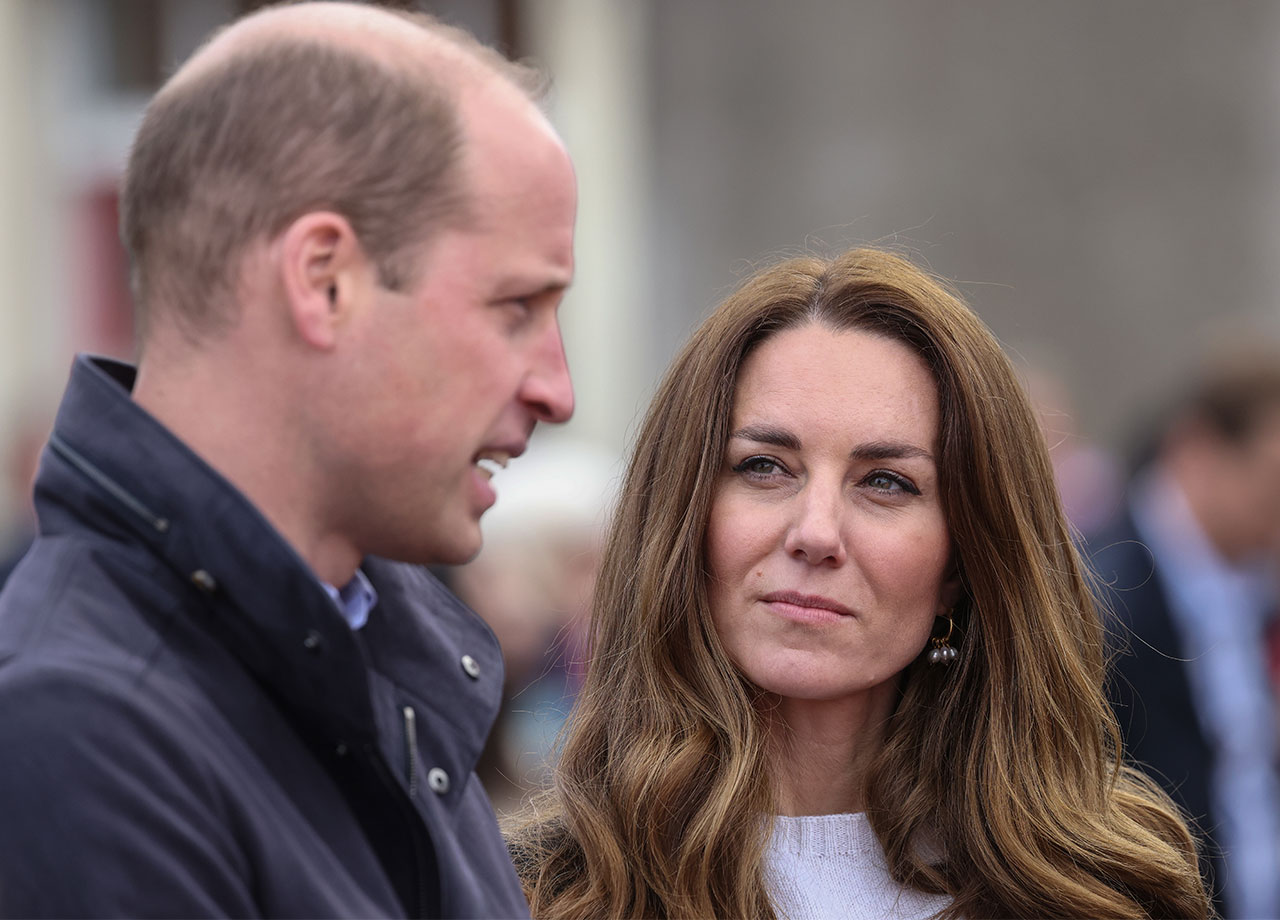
{"x":214,"y":404}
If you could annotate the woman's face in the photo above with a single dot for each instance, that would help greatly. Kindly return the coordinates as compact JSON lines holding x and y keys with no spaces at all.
{"x":827,"y":546}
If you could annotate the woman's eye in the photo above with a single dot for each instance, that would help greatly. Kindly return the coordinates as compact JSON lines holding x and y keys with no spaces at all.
{"x":884,"y":481}
{"x":759,"y":466}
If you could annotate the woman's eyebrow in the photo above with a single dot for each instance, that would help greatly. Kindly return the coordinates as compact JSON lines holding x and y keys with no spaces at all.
{"x":767,"y":434}
{"x":870,"y":451}
{"x":889,"y":450}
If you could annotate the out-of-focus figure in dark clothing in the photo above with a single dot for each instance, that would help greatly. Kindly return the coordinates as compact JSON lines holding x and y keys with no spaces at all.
{"x":1188,"y":572}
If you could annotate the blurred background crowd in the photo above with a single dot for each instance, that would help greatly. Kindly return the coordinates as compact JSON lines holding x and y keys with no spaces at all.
{"x":1102,"y":181}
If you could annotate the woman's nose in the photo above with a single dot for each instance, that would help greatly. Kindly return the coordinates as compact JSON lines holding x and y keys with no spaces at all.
{"x":816,"y":534}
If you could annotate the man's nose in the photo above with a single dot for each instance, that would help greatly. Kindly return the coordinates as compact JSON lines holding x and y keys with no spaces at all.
{"x":547,"y":387}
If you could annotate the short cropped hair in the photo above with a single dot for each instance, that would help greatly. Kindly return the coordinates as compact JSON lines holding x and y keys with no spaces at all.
{"x":1237,"y":390}
{"x":234,"y":154}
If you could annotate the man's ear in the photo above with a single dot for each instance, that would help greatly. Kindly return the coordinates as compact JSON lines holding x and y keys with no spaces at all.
{"x":320,"y":267}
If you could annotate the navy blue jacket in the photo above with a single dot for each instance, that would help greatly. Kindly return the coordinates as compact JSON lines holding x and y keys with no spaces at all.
{"x":189,"y":727}
{"x":1149,"y":687}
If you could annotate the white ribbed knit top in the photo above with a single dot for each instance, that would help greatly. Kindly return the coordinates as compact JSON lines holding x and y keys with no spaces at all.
{"x":831,"y":867}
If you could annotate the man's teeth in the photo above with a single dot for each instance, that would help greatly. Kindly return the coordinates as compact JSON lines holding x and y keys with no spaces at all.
{"x":491,"y":463}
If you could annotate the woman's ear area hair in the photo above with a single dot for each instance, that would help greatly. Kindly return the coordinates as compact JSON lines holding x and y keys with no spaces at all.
{"x":952,"y":591}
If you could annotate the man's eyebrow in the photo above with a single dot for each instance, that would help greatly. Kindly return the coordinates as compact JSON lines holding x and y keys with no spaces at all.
{"x":889,"y":450}
{"x":531,"y":290}
{"x":552,"y":287}
{"x":767,"y":434}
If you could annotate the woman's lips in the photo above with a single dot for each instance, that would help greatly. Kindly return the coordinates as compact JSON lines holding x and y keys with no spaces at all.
{"x":795,"y":605}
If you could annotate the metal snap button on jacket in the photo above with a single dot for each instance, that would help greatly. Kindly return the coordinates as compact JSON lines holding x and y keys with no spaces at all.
{"x":438,"y":780}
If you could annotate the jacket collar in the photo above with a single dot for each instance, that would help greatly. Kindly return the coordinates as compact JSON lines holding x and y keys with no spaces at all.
{"x":114,"y":470}
{"x":112,"y":467}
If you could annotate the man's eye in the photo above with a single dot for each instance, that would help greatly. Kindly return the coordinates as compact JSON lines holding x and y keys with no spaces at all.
{"x":517,"y":312}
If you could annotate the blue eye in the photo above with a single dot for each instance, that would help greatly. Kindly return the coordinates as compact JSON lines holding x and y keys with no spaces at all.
{"x":759,"y":466}
{"x":885,"y":481}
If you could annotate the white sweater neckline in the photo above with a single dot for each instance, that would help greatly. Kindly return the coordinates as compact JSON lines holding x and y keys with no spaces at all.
{"x":826,"y":835}
{"x":831,"y":866}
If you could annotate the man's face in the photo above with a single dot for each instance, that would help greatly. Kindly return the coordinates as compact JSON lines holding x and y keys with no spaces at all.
{"x":1234,"y":487}
{"x":1253,"y":505}
{"x":450,"y":377}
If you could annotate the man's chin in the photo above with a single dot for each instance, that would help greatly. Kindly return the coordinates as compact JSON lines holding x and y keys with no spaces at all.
{"x":450,"y":538}
{"x":465,"y":544}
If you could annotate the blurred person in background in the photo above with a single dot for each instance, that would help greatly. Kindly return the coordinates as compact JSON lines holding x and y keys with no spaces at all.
{"x":532,"y":583}
{"x":1188,"y":574}
{"x":227,"y":687}
{"x":1090,"y":478}
{"x":843,"y":660}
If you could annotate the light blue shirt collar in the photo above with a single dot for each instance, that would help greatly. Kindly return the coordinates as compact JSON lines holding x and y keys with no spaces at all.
{"x":1219,"y":610}
{"x":355,"y":600}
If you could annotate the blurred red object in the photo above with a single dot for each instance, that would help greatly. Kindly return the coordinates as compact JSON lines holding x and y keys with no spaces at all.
{"x":102,"y":283}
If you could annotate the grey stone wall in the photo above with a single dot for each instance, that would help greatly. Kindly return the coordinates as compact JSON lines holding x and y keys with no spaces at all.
{"x":1099,"y":175}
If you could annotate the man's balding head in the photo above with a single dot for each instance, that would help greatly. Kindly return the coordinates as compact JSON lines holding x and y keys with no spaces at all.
{"x":317,"y":106}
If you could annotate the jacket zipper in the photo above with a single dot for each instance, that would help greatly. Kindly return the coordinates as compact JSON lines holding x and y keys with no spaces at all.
{"x":414,"y":826}
{"x":411,"y":749}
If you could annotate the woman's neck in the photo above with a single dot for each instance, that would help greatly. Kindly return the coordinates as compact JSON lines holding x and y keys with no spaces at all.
{"x":823,"y":749}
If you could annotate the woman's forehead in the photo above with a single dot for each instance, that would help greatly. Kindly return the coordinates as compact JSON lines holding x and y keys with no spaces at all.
{"x":865,"y":385}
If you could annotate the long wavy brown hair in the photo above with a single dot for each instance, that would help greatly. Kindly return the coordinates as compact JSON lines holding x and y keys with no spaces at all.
{"x":1007,"y":762}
